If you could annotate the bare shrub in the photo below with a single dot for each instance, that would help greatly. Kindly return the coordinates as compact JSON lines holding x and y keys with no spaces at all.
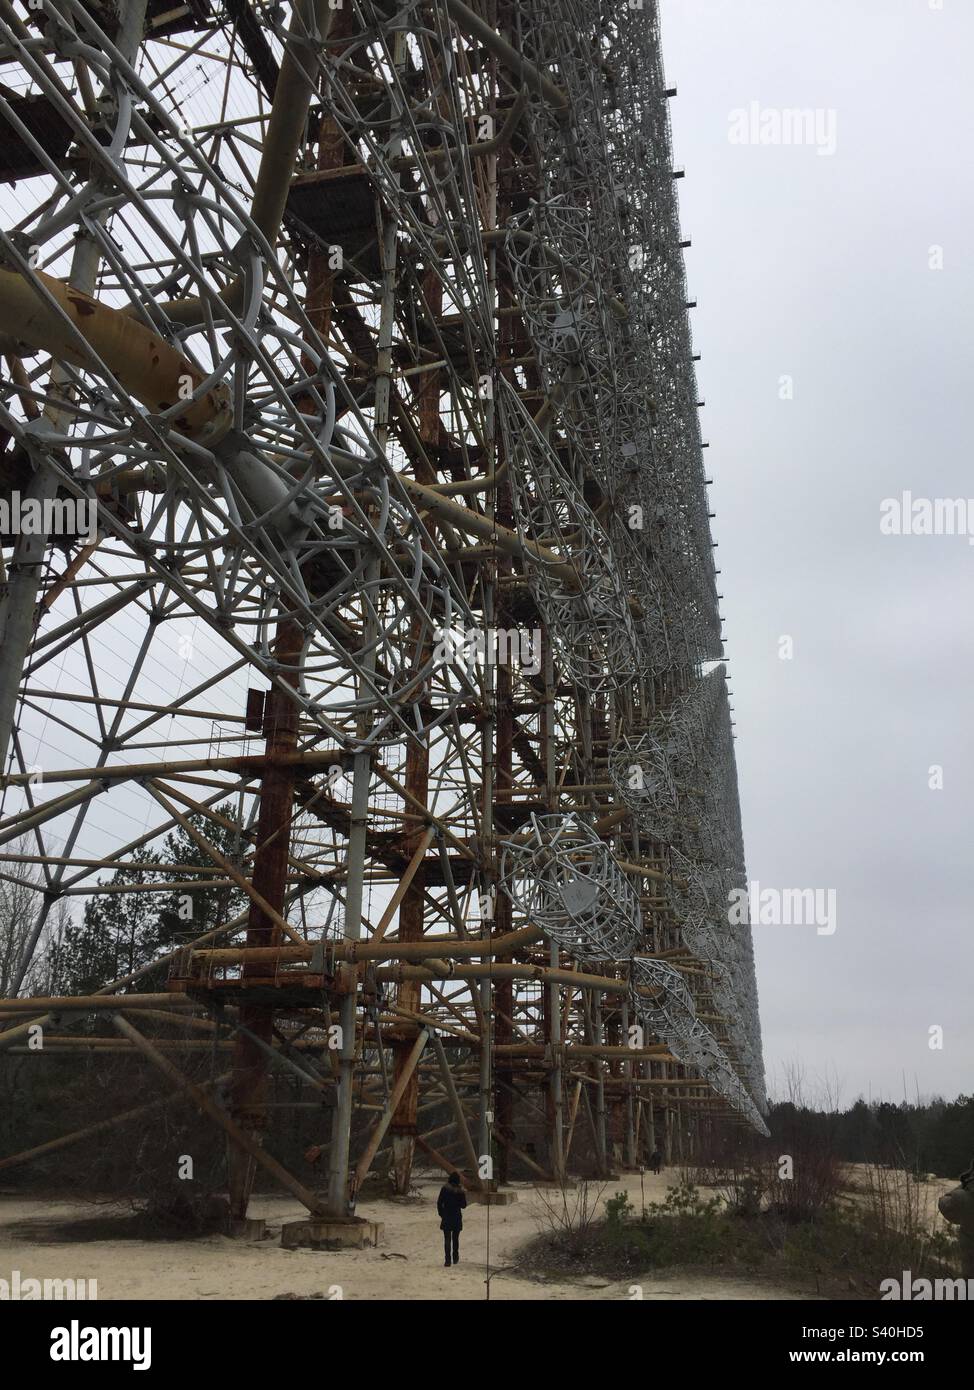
{"x":895,"y":1211}
{"x":570,"y":1213}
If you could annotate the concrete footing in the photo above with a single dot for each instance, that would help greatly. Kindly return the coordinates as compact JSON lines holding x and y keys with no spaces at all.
{"x":329,"y":1233}
{"x":247,"y":1228}
{"x":492,"y":1199}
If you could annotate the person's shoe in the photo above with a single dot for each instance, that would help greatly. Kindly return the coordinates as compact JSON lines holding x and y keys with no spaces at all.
{"x":456,"y":1259}
{"x":446,"y":1264}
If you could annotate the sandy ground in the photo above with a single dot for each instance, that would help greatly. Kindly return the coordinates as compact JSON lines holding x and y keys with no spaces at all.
{"x":407,"y":1264}
{"x":901,"y":1192}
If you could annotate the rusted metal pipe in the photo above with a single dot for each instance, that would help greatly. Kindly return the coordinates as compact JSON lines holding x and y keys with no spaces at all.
{"x":148,"y":367}
{"x":270,"y":956}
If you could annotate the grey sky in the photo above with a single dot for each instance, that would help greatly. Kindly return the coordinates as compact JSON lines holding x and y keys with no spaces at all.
{"x":817,"y":267}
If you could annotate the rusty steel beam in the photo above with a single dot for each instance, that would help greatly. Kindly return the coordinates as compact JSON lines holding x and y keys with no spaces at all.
{"x":237,"y":1136}
{"x":264,"y":926}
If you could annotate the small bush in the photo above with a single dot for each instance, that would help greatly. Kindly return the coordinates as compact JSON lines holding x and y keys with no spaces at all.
{"x":618,"y":1209}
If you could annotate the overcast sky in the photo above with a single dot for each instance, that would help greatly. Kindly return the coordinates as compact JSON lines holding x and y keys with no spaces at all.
{"x":817,"y":266}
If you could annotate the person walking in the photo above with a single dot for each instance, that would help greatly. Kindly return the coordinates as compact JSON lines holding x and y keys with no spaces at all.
{"x":450,"y":1204}
{"x":656,"y":1160}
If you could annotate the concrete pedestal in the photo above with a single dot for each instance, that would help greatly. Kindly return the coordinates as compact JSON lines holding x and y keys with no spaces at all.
{"x":247,"y":1228}
{"x":330,"y":1233}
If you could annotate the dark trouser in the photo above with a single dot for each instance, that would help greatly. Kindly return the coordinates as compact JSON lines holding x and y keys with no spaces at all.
{"x":451,"y":1241}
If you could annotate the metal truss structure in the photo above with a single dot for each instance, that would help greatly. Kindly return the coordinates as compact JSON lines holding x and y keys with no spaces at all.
{"x":364,"y":327}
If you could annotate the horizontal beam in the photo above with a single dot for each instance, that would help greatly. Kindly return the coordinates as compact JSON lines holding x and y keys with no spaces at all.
{"x":372,"y":950}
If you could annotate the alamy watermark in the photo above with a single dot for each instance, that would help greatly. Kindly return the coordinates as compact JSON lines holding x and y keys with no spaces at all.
{"x":489,"y":646}
{"x":907,"y":515}
{"x":77,"y":1343}
{"x":18,"y":1289}
{"x":54,"y":516}
{"x":755,"y":124}
{"x":911,"y":1290}
{"x":783,"y":907}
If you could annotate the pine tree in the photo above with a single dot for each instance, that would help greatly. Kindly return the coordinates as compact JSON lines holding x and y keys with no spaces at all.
{"x":121,"y":932}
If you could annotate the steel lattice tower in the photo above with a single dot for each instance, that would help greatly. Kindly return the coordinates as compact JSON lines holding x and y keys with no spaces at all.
{"x":366,"y":330}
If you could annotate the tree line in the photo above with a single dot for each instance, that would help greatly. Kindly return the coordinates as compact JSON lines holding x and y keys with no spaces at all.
{"x":926,"y":1136}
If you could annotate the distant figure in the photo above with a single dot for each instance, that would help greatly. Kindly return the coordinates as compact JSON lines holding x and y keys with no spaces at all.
{"x":656,"y":1160}
{"x":449,"y":1205}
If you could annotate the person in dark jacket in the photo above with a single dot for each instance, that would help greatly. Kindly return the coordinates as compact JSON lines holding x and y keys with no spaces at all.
{"x":449,"y":1205}
{"x":656,"y":1160}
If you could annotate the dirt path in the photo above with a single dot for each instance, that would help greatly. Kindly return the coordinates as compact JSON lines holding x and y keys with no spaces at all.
{"x":407,"y":1265}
